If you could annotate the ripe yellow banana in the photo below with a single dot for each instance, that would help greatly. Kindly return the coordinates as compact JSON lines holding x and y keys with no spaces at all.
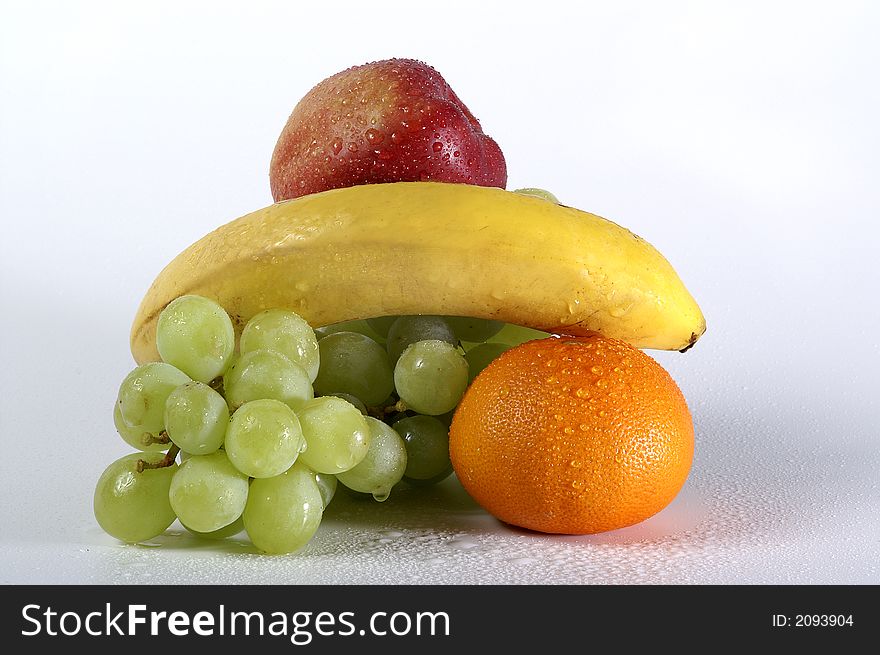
{"x":432,"y":248}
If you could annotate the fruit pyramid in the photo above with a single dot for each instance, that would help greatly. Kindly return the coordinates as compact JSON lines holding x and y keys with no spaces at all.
{"x":391,"y":291}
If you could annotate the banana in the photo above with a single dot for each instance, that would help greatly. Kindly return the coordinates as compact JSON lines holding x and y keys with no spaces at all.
{"x":432,"y":248}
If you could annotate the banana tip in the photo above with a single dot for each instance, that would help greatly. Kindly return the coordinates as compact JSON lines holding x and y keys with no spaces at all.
{"x":693,"y":340}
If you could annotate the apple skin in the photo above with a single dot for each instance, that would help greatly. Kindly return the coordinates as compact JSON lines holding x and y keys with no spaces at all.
{"x":395,"y":120}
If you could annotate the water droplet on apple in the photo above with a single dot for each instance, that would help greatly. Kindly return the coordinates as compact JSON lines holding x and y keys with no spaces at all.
{"x":374,"y":136}
{"x":437,"y":146}
{"x":352,"y":147}
{"x":336,"y":146}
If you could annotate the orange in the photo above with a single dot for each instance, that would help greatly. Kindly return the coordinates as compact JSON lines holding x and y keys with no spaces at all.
{"x":572,"y":435}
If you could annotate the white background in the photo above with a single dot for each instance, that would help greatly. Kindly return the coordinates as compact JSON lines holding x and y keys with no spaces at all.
{"x":741,"y":139}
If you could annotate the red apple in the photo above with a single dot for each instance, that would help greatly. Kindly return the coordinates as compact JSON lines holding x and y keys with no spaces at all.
{"x":389,"y":121}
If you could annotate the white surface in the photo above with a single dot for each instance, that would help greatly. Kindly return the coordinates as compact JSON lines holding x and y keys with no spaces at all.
{"x":740,"y":139}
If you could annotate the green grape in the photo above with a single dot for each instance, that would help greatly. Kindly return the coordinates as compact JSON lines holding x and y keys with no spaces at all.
{"x":196,"y":335}
{"x":262,"y":374}
{"x":381,"y":324}
{"x":337,"y":435}
{"x":135,"y":437}
{"x":355,"y":364}
{"x":479,"y":357}
{"x":431,"y":377}
{"x":354,"y":400}
{"x":513,"y":335}
{"x":283,"y":512}
{"x":196,"y":418}
{"x":358,"y":326}
{"x":473,"y":329}
{"x":134,"y":506}
{"x":535,"y":192}
{"x":427,"y":449}
{"x":383,"y":465}
{"x":326,"y":485}
{"x":208,"y":492}
{"x":407,"y":330}
{"x":143,"y":393}
{"x":285,"y":332}
{"x":230,"y":530}
{"x":264,"y":438}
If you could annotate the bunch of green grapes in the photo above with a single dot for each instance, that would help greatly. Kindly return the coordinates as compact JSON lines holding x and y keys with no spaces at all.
{"x":264,"y":429}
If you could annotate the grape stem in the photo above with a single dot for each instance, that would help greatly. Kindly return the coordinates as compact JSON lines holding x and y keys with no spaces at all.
{"x":381,"y":412}
{"x":168,"y":460}
{"x":399,"y":406}
{"x":149,"y":439}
